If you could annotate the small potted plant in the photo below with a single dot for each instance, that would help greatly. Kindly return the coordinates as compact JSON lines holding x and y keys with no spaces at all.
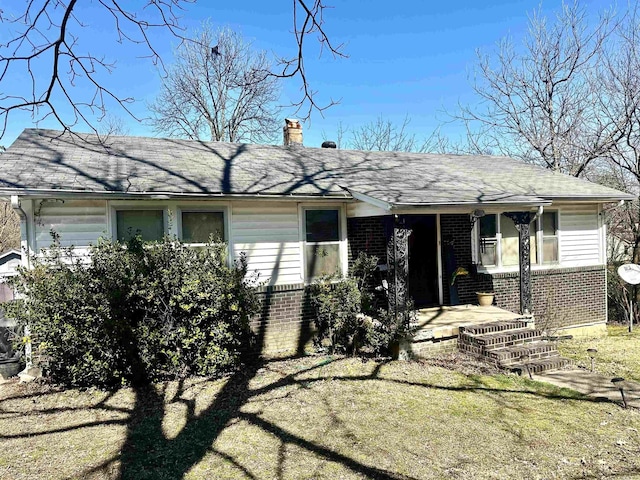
{"x":485,"y":299}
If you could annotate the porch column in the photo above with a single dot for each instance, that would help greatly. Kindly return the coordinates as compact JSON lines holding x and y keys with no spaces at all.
{"x":522,"y":220}
{"x":398,"y":268}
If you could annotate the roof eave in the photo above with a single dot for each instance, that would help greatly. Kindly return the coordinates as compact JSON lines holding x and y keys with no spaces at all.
{"x":13,"y":251}
{"x":111,"y":195}
{"x":471,"y":205}
{"x":591,"y":198}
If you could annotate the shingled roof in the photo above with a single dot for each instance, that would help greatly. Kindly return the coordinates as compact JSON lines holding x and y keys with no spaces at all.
{"x":48,"y":162}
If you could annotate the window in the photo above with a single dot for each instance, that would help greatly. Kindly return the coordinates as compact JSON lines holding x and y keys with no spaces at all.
{"x":149,"y":224}
{"x":510,"y":242}
{"x":322,"y":242}
{"x":499,"y":242}
{"x":488,"y":240}
{"x":549,"y":232}
{"x":199,"y":226}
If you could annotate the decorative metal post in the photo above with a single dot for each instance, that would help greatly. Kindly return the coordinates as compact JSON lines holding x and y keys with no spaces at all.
{"x":398,"y":268}
{"x":522,"y":221}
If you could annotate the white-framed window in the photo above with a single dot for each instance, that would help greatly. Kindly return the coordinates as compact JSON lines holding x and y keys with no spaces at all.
{"x":496,"y":240}
{"x":149,"y":223}
{"x":488,"y":232}
{"x":548,"y":231}
{"x":322,"y":242}
{"x":197,"y":227}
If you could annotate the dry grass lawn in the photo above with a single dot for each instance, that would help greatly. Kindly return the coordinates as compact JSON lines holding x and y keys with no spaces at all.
{"x":319,"y":418}
{"x":618,"y":353}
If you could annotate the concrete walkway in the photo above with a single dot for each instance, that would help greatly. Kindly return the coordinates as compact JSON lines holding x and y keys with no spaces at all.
{"x":592,"y":384}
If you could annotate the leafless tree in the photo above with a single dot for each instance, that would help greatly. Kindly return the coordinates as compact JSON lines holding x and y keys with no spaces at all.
{"x":542,"y":102}
{"x":67,"y":83}
{"x":620,"y":102}
{"x":110,"y":126}
{"x":9,"y":228}
{"x":219,"y":93}
{"x":384,"y":134}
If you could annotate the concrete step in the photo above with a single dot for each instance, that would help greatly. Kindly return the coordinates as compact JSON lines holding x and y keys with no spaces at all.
{"x":494,"y":327}
{"x":518,"y":353}
{"x":501,"y":339}
{"x":540,"y":365}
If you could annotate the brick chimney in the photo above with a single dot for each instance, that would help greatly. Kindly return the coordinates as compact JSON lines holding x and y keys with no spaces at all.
{"x":292,"y":132}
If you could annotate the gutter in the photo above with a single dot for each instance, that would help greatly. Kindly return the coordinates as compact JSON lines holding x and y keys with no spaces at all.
{"x":534,"y":202}
{"x":592,"y":198}
{"x":470,"y":205}
{"x":89,"y":194}
{"x":370,"y":200}
{"x":24,"y":234}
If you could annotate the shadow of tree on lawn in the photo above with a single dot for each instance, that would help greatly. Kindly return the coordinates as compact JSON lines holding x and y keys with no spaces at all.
{"x":148,"y":452}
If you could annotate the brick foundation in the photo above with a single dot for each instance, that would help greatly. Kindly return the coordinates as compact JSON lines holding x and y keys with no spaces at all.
{"x":284,"y":325}
{"x":434,"y":347}
{"x":561,"y":297}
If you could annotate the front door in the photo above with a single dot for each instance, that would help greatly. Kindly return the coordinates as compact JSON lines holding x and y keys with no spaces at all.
{"x":423,"y":260}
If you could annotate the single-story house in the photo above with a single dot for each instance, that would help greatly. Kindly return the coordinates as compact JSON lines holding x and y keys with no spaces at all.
{"x":534,"y":237}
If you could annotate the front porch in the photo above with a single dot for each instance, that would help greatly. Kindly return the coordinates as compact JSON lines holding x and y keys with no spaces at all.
{"x":445,"y":321}
{"x":438,"y":327}
{"x":501,"y":337}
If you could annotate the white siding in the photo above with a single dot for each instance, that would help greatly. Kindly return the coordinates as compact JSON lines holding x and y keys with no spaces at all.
{"x":580,"y":239}
{"x":268,"y":233}
{"x":79,"y":223}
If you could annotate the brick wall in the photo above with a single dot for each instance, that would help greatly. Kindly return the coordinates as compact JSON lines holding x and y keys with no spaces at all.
{"x":560,"y":297}
{"x":284,"y":324}
{"x":369,"y":235}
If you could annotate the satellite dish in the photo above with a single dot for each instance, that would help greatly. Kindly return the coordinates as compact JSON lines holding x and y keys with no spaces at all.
{"x":630,"y":273}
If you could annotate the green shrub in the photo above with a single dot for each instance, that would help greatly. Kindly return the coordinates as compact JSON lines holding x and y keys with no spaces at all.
{"x":135,"y":314}
{"x":336,"y":303}
{"x":347,"y":316}
{"x":386,"y":329}
{"x":363,"y":271}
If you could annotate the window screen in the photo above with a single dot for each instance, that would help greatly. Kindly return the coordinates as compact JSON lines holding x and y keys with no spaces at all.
{"x":198,"y":227}
{"x":149,"y":224}
{"x":550,"y":237}
{"x":549,"y":224}
{"x":488,"y":226}
{"x":322,"y":226}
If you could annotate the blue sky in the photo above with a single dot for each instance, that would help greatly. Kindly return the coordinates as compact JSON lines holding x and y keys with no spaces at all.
{"x":406,"y":58}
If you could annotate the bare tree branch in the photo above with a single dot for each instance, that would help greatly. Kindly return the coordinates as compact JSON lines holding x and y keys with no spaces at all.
{"x":45,"y":49}
{"x":9,"y":228}
{"x":385,"y":135}
{"x":68,"y":84}
{"x":307,"y":20}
